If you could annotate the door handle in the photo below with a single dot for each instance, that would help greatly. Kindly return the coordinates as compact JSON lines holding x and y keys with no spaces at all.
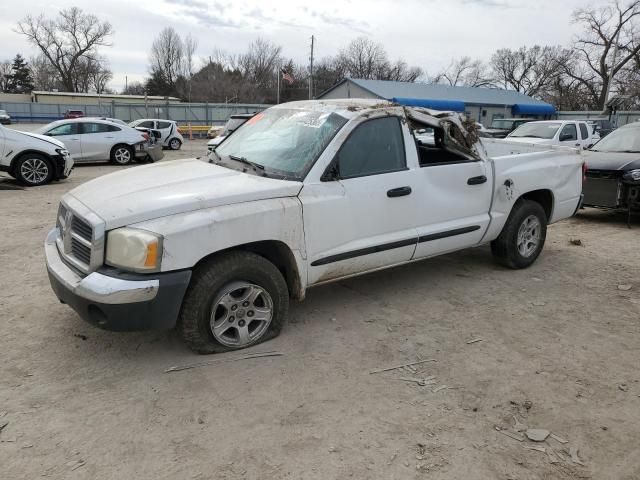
{"x":477,"y":180}
{"x":398,"y":192}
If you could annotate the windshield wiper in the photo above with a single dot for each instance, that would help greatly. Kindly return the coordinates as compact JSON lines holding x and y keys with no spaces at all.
{"x":246,"y":162}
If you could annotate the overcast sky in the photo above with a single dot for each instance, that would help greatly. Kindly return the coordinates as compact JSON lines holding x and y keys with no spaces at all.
{"x":426,"y":33}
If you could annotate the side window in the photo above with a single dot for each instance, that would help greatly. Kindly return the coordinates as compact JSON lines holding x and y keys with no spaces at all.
{"x":113,"y":128}
{"x":146,"y":124}
{"x":568,"y":133}
{"x":94,"y":128}
{"x":163,"y":125}
{"x":584,"y":132}
{"x":65,"y":129}
{"x":374,"y":147}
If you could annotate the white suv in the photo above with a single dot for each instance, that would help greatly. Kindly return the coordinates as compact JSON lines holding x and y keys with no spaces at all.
{"x":33,"y":159}
{"x":170,"y":134}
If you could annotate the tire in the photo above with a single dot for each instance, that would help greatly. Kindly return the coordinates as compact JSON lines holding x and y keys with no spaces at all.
{"x":218,"y":313}
{"x":33,"y":170}
{"x":175,"y":144}
{"x":523,"y":236}
{"x":122,"y":155}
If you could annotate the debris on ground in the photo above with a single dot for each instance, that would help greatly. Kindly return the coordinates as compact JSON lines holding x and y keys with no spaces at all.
{"x":423,"y":382}
{"x":80,"y":336}
{"x":75,"y":464}
{"x":623,"y":387}
{"x":527,"y":404}
{"x":441,"y":387}
{"x":553,"y":456}
{"x":537,"y":434}
{"x":538,"y":303}
{"x":397,"y":367}
{"x":515,"y":436}
{"x":2,"y":425}
{"x":558,"y":439}
{"x":575,"y":241}
{"x":3,"y":413}
{"x":247,"y":356}
{"x":27,"y":445}
{"x":518,"y":427}
{"x":573,"y":453}
{"x":537,"y":448}
{"x":475,"y":340}
{"x":625,"y":287}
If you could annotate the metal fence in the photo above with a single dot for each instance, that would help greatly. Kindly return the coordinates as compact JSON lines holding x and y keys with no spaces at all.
{"x":618,"y":119}
{"x":184,"y":113}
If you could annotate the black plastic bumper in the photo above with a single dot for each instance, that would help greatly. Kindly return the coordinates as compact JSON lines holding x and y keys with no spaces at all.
{"x":160,"y":313}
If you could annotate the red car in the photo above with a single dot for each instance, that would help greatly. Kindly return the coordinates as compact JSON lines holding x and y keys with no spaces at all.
{"x":73,"y":114}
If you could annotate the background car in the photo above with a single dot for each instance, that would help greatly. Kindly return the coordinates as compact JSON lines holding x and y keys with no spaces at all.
{"x":92,"y":139}
{"x":613,"y":170}
{"x":501,"y":127}
{"x":170,"y":135}
{"x":5,"y":118}
{"x":568,"y":133}
{"x":601,"y":126}
{"x":234,"y":122}
{"x":214,"y":131}
{"x":33,"y":159}
{"x":73,"y":114}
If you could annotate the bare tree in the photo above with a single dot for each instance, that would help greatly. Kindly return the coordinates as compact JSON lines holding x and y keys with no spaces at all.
{"x":259,"y":63}
{"x":5,"y":75}
{"x":365,"y":59}
{"x":45,"y":76}
{"x":166,"y":58}
{"x":465,"y":72}
{"x":66,"y":40}
{"x":529,"y":70}
{"x":608,"y":29}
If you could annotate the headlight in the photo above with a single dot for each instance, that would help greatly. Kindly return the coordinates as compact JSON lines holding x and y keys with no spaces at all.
{"x":632,"y":175}
{"x":62,"y":151}
{"x":132,"y":249}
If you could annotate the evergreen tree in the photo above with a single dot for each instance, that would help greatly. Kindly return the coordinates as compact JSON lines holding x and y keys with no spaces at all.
{"x":20,"y":80}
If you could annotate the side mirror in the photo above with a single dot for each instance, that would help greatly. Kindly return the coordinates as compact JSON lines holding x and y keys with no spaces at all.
{"x":332,"y":173}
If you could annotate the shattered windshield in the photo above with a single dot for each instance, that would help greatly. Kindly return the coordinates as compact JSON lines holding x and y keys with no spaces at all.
{"x":279,"y":142}
{"x":536,"y":130}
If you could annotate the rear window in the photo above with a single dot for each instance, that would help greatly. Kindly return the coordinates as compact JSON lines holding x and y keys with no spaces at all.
{"x":584,"y":132}
{"x":164,"y":124}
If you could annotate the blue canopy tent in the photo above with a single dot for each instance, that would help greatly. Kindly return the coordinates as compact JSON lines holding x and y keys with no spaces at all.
{"x":533,"y":109}
{"x":444,"y":105}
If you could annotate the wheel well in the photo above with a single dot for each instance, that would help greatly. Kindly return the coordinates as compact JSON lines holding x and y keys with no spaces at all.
{"x":280,"y":255}
{"x":544,"y":198}
{"x":17,"y":157}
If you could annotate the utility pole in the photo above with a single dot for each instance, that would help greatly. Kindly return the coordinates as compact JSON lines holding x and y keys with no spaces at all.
{"x":311,"y":71}
{"x":610,"y":79}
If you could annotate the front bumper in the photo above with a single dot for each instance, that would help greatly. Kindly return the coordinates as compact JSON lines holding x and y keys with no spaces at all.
{"x":114,"y":300}
{"x":5,"y":121}
{"x":63,"y":166}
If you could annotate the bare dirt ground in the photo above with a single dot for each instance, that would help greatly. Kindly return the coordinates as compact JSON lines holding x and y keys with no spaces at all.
{"x":560,"y":350}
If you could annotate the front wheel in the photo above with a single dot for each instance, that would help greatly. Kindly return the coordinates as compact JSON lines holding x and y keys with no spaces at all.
{"x":234,"y":301}
{"x":33,"y":170}
{"x":523,"y":236}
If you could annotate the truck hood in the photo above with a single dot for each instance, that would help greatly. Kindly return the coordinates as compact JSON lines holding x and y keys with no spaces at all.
{"x":143,"y":193}
{"x":611,"y":160}
{"x":44,"y":138}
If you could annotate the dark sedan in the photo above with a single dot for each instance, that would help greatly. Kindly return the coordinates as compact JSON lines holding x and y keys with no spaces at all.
{"x":613,"y":170}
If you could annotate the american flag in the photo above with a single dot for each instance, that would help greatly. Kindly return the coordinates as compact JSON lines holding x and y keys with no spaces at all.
{"x":286,"y":76}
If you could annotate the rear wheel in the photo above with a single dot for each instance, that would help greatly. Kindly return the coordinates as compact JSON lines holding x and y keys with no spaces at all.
{"x":523,"y":236}
{"x":234,"y":301}
{"x":121,"y":155}
{"x":175,"y":144}
{"x":33,"y":170}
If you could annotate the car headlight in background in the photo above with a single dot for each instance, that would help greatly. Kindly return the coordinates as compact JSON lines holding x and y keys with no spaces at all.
{"x":133,"y":249}
{"x":632,"y":175}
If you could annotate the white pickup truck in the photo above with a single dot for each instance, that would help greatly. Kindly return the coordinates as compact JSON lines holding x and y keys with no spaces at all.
{"x":302,"y":194}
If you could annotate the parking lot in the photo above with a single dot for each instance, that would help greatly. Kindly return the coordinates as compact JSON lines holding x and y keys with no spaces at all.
{"x":555,"y":345}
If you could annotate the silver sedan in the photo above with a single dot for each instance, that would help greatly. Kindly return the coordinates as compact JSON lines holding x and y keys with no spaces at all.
{"x":94,"y":139}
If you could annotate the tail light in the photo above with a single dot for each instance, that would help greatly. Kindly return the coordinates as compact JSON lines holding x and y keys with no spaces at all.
{"x":146,"y":136}
{"x":584,"y":172}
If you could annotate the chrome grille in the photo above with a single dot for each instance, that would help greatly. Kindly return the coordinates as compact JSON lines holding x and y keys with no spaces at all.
{"x":81,"y":241}
{"x":80,"y":251}
{"x":82,"y":228}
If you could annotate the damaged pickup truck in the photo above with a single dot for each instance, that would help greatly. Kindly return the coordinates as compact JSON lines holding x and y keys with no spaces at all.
{"x":302,"y":194}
